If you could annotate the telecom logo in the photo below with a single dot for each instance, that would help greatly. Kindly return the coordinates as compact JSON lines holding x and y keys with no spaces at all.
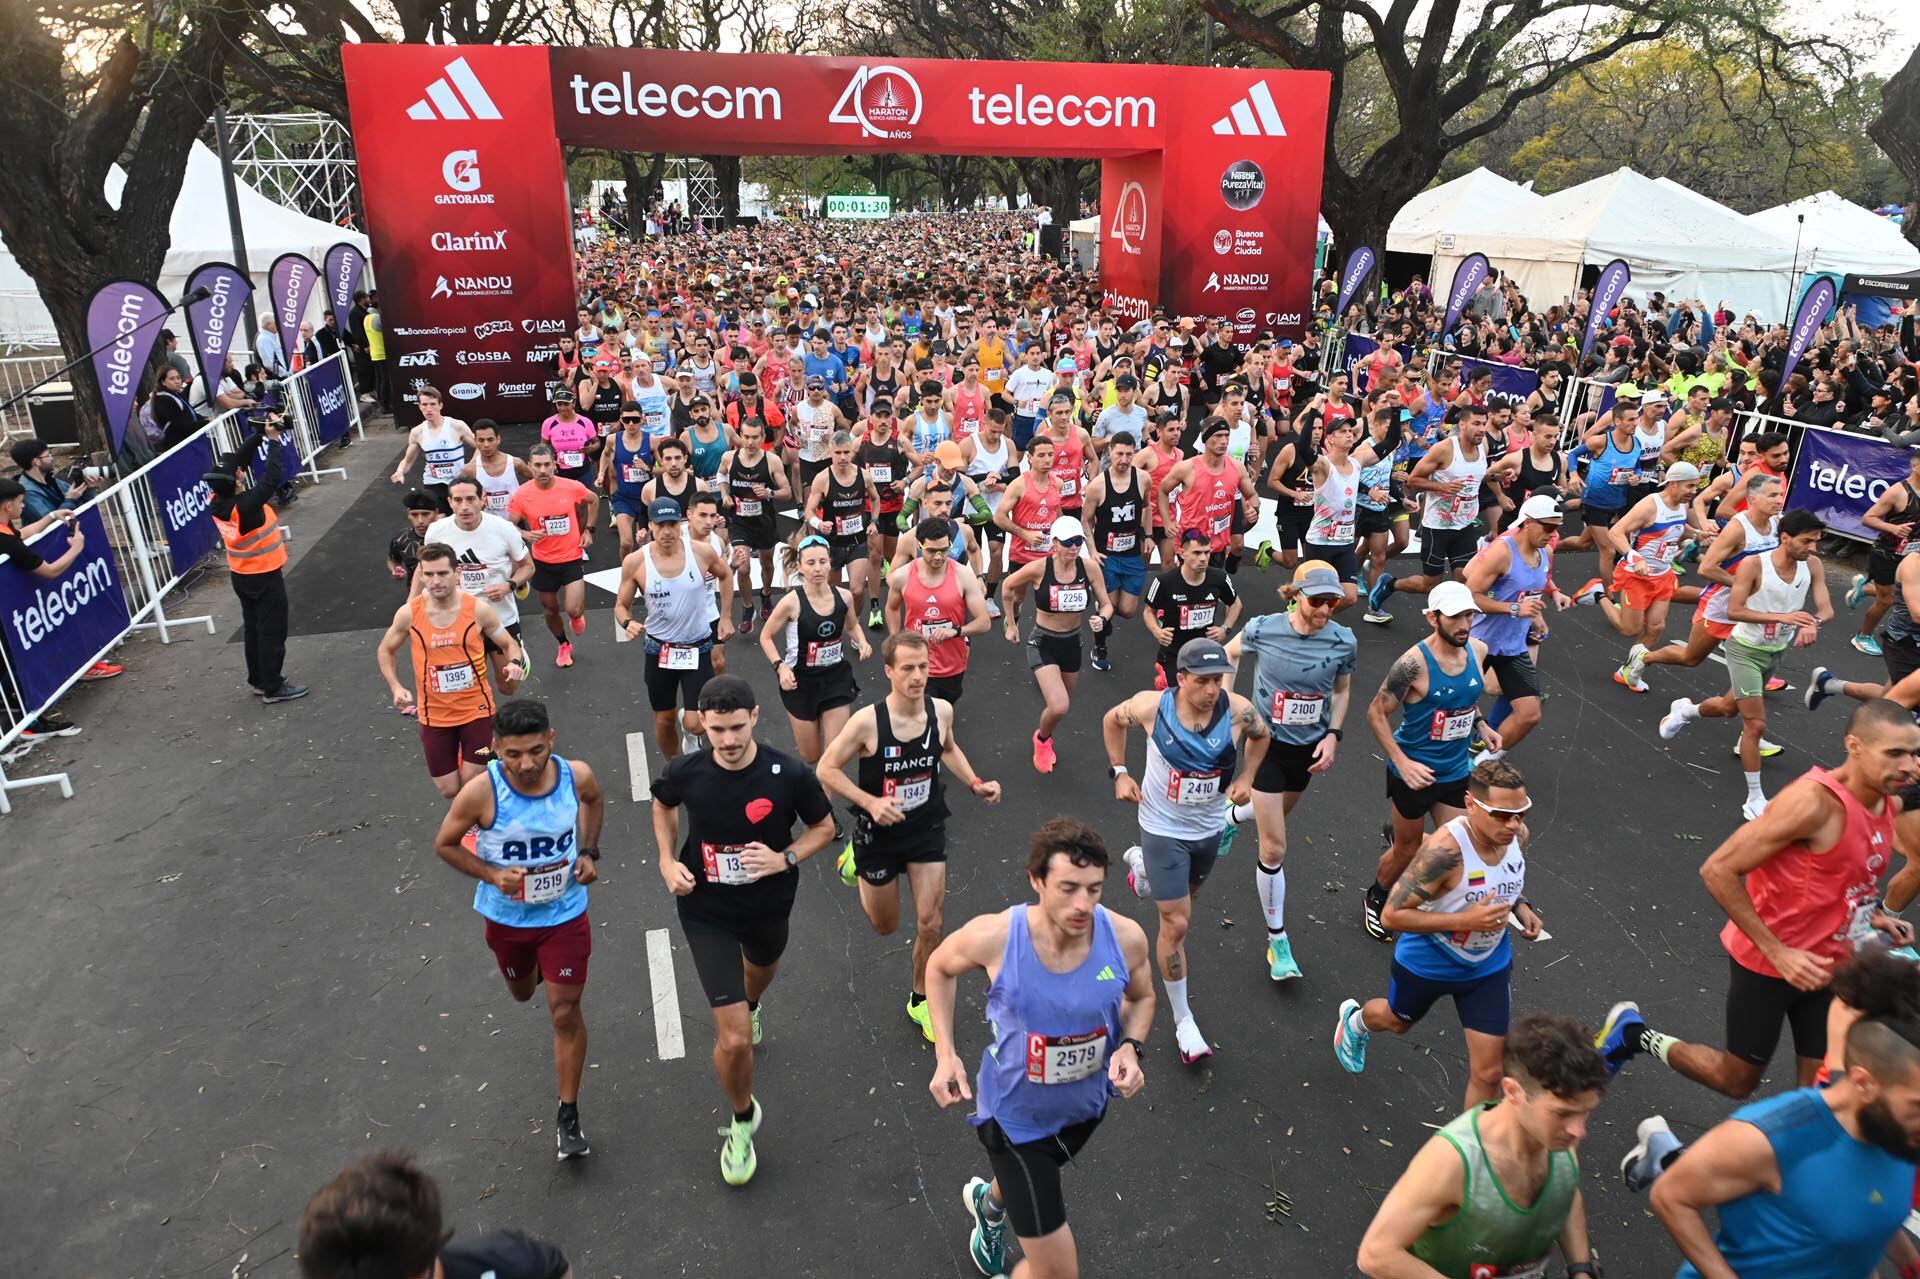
{"x":543,"y":326}
{"x":461,"y":172}
{"x":478,"y":242}
{"x":1846,"y":482}
{"x":1130,"y":218}
{"x":884,"y":101}
{"x":481,"y":357}
{"x":457,"y":95}
{"x":1242,"y":185}
{"x":481,"y":332}
{"x":467,"y":390}
{"x":472,"y":286}
{"x":189,"y":506}
{"x":1126,"y":306}
{"x":1254,"y":116}
{"x":686,"y":101}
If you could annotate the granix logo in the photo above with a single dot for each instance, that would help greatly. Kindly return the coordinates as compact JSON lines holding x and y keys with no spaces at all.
{"x":458,"y":95}
{"x":466,"y":390}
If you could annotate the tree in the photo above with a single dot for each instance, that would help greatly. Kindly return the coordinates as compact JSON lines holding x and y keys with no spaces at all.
{"x":1412,"y":83}
{"x":1897,"y":130}
{"x":63,"y":125}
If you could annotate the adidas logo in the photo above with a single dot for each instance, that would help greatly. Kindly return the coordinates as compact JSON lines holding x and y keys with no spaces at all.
{"x":1254,"y":116}
{"x":1106,"y":974}
{"x":458,"y":95}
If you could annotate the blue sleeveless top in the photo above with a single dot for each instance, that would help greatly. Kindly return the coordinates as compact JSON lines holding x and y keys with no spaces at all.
{"x":1609,"y":473}
{"x":1437,"y":729}
{"x":623,"y":458}
{"x":535,"y":832}
{"x":1503,"y":635}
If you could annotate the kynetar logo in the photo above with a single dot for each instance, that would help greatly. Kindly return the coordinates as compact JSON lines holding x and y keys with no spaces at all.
{"x":884,"y":101}
{"x":1242,"y":185}
{"x":1130,"y":218}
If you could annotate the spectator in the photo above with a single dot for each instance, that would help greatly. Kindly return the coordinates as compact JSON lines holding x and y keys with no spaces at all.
{"x":19,"y":557}
{"x":356,"y":341}
{"x":172,"y":414}
{"x":46,"y":492}
{"x":322,"y":343}
{"x":1880,"y":416}
{"x":1822,"y":407}
{"x":374,"y":327}
{"x":268,"y":350}
{"x":228,"y":392}
{"x":170,"y":346}
{"x":257,"y":556}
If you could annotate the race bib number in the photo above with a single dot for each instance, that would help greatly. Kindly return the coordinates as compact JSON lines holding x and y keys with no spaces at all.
{"x":1218,"y":525}
{"x":848,"y":525}
{"x":441,"y":472}
{"x":679,"y":657}
{"x":1525,"y":1270}
{"x":633,"y":473}
{"x":473,"y":578}
{"x":1452,"y":726}
{"x":556,"y":525}
{"x":451,"y":679}
{"x":544,"y":884}
{"x":1120,"y":543}
{"x":572,"y":459}
{"x":1340,"y":534}
{"x":1069,"y":485}
{"x":1860,"y":929}
{"x":1193,"y":788}
{"x":908,"y":792}
{"x":1044,"y":545}
{"x":1065,"y":1059}
{"x":1304,"y":499}
{"x":823,"y":654}
{"x":497,"y":503}
{"x":1069,"y":599}
{"x":881,"y":474}
{"x":1770,"y":631}
{"x":746,"y":508}
{"x":1298,"y":710}
{"x":1621,"y":476}
{"x":722,"y":864}
{"x":1196,"y":617}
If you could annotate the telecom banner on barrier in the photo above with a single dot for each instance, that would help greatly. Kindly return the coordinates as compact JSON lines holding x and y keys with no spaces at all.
{"x":330,"y":397}
{"x":1511,"y":384}
{"x":185,"y":503}
{"x":57,"y":626}
{"x":1839,"y":476}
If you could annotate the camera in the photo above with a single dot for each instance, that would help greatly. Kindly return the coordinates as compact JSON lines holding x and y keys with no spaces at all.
{"x":81,"y":474}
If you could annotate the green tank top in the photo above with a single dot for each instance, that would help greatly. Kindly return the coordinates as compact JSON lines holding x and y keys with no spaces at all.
{"x":1490,"y":1230}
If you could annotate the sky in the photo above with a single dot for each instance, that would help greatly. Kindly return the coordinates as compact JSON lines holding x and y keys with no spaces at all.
{"x":1900,"y":17}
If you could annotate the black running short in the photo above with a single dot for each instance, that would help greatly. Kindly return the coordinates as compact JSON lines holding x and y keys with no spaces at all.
{"x":1290,"y":526}
{"x":1882,"y":564}
{"x":758,"y":533}
{"x":1757,"y":1004}
{"x":1902,"y":657}
{"x":883,"y":867}
{"x":947,"y":686}
{"x":1367,"y":522}
{"x":1342,"y":559}
{"x":719,"y":946}
{"x":670,"y":690}
{"x":813,"y":694}
{"x":549,"y":578}
{"x":1442,"y":550}
{"x":1517,"y":674}
{"x":1283,"y":769}
{"x":1051,"y":648}
{"x":1029,"y":1174}
{"x":1414,"y":804}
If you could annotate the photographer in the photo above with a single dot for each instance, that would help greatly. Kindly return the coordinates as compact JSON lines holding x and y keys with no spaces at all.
{"x":257,"y":556}
{"x":47,"y":492}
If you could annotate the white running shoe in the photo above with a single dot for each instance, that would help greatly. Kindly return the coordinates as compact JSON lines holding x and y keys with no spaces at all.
{"x":993,"y":607}
{"x":1636,"y":666}
{"x":1193,"y":1045}
{"x":1676,"y":718}
{"x":1137,"y":872}
{"x":1752,"y":809}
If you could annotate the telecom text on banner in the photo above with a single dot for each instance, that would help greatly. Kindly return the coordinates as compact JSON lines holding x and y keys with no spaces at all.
{"x":185,"y":502}
{"x":1466,"y":282}
{"x":1511,"y":384}
{"x":291,"y":283}
{"x":1130,"y":220}
{"x":213,"y":321}
{"x":1815,"y":305}
{"x":344,"y":266}
{"x":329,"y":393}
{"x":122,"y":326}
{"x":1359,"y":266}
{"x":1838,"y":476}
{"x":1607,"y":292}
{"x":56,"y":626}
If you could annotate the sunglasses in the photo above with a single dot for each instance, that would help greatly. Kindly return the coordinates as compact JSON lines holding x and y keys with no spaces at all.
{"x":812,"y":539}
{"x":1323,"y":601}
{"x":1070,"y":541}
{"x":626,"y":418}
{"x":1501,"y":814}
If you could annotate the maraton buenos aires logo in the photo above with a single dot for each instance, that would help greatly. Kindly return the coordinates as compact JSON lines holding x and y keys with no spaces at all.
{"x":1130,"y":218}
{"x":883,"y":100}
{"x":1242,"y":185}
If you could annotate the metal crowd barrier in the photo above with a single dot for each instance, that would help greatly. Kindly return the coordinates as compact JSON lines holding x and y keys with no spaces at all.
{"x":17,"y":373}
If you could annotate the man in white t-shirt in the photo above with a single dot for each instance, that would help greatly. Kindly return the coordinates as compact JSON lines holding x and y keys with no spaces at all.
{"x":1124,"y":414}
{"x":1028,"y":385}
{"x":491,"y":562}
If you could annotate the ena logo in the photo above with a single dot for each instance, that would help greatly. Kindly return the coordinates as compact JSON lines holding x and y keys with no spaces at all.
{"x":884,"y":101}
{"x":1130,"y":218}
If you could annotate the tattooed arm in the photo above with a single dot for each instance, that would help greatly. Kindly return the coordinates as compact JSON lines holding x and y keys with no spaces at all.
{"x":1250,"y":726}
{"x":1406,"y":681}
{"x":1436,"y":869}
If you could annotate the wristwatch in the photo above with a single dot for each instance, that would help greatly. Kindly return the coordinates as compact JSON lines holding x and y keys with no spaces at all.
{"x":592,"y":853}
{"x":1338,"y":735}
{"x":1139,"y":1049}
{"x":1588,"y":1268}
{"x":792,"y":861}
{"x":1116,"y":771}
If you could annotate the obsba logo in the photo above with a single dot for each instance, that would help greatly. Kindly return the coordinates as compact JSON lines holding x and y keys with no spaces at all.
{"x":1243,"y":185}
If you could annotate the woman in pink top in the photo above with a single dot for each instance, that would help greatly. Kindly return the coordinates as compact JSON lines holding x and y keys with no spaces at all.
{"x":576,"y":443}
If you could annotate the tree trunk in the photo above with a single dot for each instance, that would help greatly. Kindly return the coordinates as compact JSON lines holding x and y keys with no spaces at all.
{"x":726,"y":172}
{"x":1897,"y":130}
{"x":643,"y":185}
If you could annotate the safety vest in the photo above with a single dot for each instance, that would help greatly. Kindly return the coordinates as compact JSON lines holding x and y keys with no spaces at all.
{"x":261,"y":551}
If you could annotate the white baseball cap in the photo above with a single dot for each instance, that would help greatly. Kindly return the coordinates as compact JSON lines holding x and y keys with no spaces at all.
{"x":1450,"y":599}
{"x":1066,"y":527}
{"x":1542,"y":508}
{"x":1682,"y":473}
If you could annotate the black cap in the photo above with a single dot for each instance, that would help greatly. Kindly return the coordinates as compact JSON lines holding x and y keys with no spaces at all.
{"x":1126,"y":382}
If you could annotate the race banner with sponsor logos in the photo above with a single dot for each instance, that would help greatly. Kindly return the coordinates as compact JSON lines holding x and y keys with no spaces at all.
{"x":1359,"y":266}
{"x":1467,"y":278}
{"x":216,"y":320}
{"x":1838,"y":476}
{"x":185,"y":502}
{"x":57,"y":626}
{"x":290,"y":283}
{"x":1607,"y":292}
{"x":486,"y":231}
{"x":344,"y":266}
{"x":1130,"y":223}
{"x":122,"y":326}
{"x":1511,"y":383}
{"x":1815,"y":305}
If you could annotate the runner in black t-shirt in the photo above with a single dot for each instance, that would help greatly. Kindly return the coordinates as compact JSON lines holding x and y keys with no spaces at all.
{"x":1187,"y":601}
{"x":731,"y":863}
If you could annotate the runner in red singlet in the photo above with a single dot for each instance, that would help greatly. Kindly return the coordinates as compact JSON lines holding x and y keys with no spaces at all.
{"x":1208,"y":485}
{"x":1072,"y":447}
{"x":1158,"y":454}
{"x":940,"y":599}
{"x":969,"y":403}
{"x":1030,"y":505}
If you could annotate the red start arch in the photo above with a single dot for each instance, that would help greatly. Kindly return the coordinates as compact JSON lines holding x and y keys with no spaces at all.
{"x":1210,"y":177}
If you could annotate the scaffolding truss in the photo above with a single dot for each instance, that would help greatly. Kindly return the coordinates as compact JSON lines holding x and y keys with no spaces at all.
{"x":301,"y":159}
{"x":703,"y":186}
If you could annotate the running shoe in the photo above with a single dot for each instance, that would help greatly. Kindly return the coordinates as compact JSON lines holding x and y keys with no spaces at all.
{"x":1775,"y":684}
{"x":748,"y":619}
{"x":753,"y":1014}
{"x":993,"y":607}
{"x":849,"y":873}
{"x":49,"y":724}
{"x":1817,"y":688}
{"x":1371,"y":902}
{"x":1263,"y":558}
{"x":521,"y":590}
{"x":1619,"y":1036}
{"x":919,"y":1016}
{"x":1754,"y":807}
{"x":1350,"y":1044}
{"x":1591,"y":592}
{"x":737,"y":1160}
{"x":1159,"y":679}
{"x":1099,"y":661}
{"x":1378,"y":616}
{"x":571,"y":1142}
{"x":526,"y":666}
{"x":578,"y":625}
{"x":1136,"y":862}
{"x":1636,"y":667}
{"x":1866,"y":644}
{"x":1192,"y":1044}
{"x":1689,"y":553}
{"x":1280,"y":961}
{"x":1857,"y":591}
{"x":1676,"y":717}
{"x":471,"y":840}
{"x":988,"y":1242}
{"x":1767,"y":749}
{"x":563,"y":656}
{"x":1907,"y":953}
{"x":1044,"y":756}
{"x":876,"y":616}
{"x":411,"y":710}
{"x":285,"y":693}
{"x":1645,"y":1162}
{"x":1227,"y":833}
{"x":100,"y":671}
{"x":1625,"y":677}
{"x":1377,"y":595}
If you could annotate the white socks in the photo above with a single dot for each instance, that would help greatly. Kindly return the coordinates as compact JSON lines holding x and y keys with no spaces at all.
{"x":1272,"y":883}
{"x":1240,"y":814}
{"x":1177,"y":996}
{"x":1753,"y":787}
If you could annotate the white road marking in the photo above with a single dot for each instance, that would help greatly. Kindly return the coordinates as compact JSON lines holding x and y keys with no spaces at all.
{"x":668,"y":1040}
{"x":637,"y":775}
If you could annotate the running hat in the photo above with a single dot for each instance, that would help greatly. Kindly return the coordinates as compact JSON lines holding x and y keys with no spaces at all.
{"x":1066,"y":528}
{"x":665,"y":510}
{"x":816,"y":383}
{"x":1627,"y":391}
{"x":1126,"y":382}
{"x":1682,"y":473}
{"x":1066,"y":365}
{"x":563,"y":397}
{"x":1449,"y":599}
{"x":948,"y":454}
{"x":1215,"y":426}
{"x":1317,"y":579}
{"x":1202,"y":656}
{"x":1544,"y":508}
{"x":415,"y":500}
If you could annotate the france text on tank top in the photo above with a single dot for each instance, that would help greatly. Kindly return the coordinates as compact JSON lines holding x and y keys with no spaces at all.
{"x":1071,"y":596}
{"x":1462,"y":955}
{"x":443,"y":451}
{"x":1119,"y":519}
{"x":1660,"y":539}
{"x":1046,"y":1068}
{"x":1840,"y":1198}
{"x":1334,"y":502}
{"x":535,"y":832}
{"x":677,"y":605}
{"x":1774,"y":594}
{"x":629,"y":467}
{"x":1437,"y":728}
{"x":845,"y":508}
{"x":1611,"y":473}
{"x":497,"y":490}
{"x":1490,"y":1230}
{"x":1504,"y":634}
{"x":1460,"y":509}
{"x":906,"y":770}
{"x":1187,"y":772}
{"x":925,"y":608}
{"x":1820,"y":902}
{"x":1718,"y":595}
{"x":816,"y":641}
{"x":746,"y":482}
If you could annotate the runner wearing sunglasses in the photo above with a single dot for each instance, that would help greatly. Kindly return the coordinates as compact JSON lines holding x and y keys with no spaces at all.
{"x":1064,"y":592}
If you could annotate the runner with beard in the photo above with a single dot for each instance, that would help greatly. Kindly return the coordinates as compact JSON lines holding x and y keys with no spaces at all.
{"x":753,"y":484}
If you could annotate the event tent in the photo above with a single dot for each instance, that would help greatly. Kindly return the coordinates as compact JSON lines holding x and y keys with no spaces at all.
{"x":1676,"y":244}
{"x":1438,"y":218}
{"x":199,"y":235}
{"x":1840,"y":236}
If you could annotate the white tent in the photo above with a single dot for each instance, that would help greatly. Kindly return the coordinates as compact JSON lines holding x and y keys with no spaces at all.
{"x":1676,"y":244}
{"x":1437,"y":219}
{"x":199,"y":235}
{"x":1083,"y":235}
{"x":1839,"y":236}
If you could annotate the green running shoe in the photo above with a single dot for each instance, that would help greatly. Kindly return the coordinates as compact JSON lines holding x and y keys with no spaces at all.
{"x":1263,"y":558}
{"x":849,"y":873}
{"x":1281,"y":965}
{"x":1227,"y":833}
{"x":737,"y":1158}
{"x":918,"y":1014}
{"x":1350,"y":1045}
{"x":988,"y":1242}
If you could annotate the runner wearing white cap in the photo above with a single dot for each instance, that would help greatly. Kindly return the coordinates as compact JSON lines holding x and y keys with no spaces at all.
{"x":1511,"y":579}
{"x":1647,"y":538}
{"x":1064,"y":593}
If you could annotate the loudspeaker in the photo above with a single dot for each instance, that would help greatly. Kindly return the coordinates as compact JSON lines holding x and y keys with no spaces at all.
{"x":51,"y":411}
{"x":1053,"y":239}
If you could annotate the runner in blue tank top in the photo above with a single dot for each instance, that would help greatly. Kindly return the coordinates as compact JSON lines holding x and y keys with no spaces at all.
{"x":537,"y":850}
{"x":1070,"y":1001}
{"x":1511,"y":580}
{"x":1436,"y":686}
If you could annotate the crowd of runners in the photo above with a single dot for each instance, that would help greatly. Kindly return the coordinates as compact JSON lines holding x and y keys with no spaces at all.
{"x":830,"y":442}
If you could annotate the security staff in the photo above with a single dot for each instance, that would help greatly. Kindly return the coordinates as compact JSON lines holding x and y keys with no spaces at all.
{"x":257,"y":556}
